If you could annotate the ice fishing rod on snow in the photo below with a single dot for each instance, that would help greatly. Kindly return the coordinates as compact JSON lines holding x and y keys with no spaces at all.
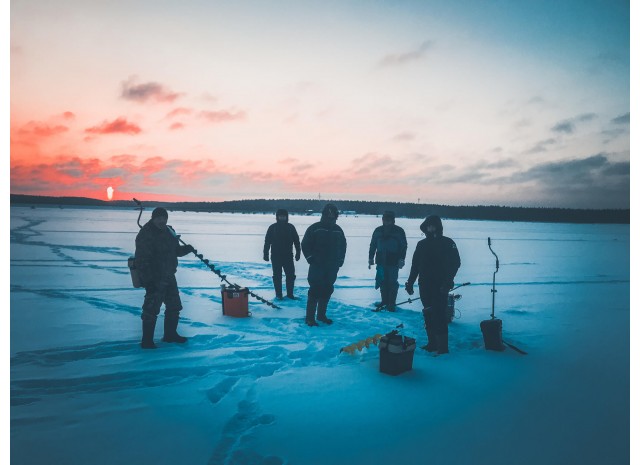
{"x":381,"y":307}
{"x":492,"y":329}
{"x":209,"y":265}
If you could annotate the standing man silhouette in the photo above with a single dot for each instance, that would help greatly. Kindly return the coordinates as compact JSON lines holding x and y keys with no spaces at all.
{"x":435,"y":263}
{"x":157,"y":252}
{"x":324,"y":246}
{"x":389,"y":247}
{"x":281,"y":238}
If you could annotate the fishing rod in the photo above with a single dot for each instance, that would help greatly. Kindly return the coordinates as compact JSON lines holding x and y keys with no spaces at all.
{"x":381,"y":307}
{"x":210,"y":265}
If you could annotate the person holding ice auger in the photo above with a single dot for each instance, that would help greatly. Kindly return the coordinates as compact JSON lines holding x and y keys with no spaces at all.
{"x":281,"y":238}
{"x":324,"y":246}
{"x":389,"y":247}
{"x":435,"y":263}
{"x":156,"y":258}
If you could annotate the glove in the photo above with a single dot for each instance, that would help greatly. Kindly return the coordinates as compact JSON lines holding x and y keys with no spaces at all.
{"x":266,"y":257}
{"x":401,"y":263}
{"x":408,"y":287}
{"x":297,"y":256}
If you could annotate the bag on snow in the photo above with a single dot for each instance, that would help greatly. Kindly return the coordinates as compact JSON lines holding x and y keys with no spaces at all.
{"x":135,"y":275}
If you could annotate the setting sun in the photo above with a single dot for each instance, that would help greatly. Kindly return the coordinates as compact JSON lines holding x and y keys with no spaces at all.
{"x":109,"y":192}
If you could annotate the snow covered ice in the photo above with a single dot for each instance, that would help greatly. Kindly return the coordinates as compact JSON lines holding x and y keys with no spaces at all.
{"x":270,"y":390}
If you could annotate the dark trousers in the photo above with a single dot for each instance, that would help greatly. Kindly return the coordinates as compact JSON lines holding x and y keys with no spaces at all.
{"x":434,"y":305}
{"x":279,"y":264}
{"x":321,"y":280}
{"x":157,"y":293}
{"x":387,"y":281}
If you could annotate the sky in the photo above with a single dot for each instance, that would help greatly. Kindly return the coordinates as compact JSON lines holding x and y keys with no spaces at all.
{"x":460,"y":103}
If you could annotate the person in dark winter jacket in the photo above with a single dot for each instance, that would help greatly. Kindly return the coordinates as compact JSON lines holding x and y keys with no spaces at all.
{"x":324,"y":246}
{"x":389,"y":247}
{"x":156,"y":258}
{"x":281,"y":238}
{"x":435,"y":263}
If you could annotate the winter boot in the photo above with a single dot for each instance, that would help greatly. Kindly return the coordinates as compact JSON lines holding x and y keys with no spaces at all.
{"x":148,"y":328}
{"x":170,"y":329}
{"x":383,"y":297}
{"x":443,"y":343}
{"x":310,"y":319}
{"x":277,"y":285}
{"x":289,"y":284}
{"x":392,"y":294}
{"x":432,"y":342}
{"x":322,"y":311}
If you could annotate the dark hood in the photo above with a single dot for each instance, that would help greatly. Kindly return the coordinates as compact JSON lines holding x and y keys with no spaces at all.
{"x":327,"y":210}
{"x":282,"y":212}
{"x":390,"y":216}
{"x":432,"y":220}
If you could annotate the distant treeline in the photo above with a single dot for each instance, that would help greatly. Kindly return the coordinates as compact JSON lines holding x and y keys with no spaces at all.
{"x":408,"y":210}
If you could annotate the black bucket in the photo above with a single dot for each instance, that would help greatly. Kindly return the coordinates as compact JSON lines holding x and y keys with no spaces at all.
{"x":396,"y":353}
{"x":492,"y":334}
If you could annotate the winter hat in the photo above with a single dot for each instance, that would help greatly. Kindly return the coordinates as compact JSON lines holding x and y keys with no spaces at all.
{"x":158,"y":212}
{"x":282,"y":212}
{"x":389,"y":215}
{"x":432,"y":220}
{"x":330,"y":208}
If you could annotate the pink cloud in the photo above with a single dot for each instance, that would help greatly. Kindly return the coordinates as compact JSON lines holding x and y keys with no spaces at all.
{"x":72,"y":175}
{"x":222,"y":116}
{"x":175,"y":126}
{"x":180,"y":111}
{"x":39,"y":130}
{"x":117,"y":126}
{"x":197,"y":178}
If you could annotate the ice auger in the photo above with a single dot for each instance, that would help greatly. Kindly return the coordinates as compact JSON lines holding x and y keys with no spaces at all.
{"x":373,"y":340}
{"x":210,"y":265}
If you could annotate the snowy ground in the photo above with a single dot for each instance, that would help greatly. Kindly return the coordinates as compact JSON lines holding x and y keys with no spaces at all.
{"x":269,"y":390}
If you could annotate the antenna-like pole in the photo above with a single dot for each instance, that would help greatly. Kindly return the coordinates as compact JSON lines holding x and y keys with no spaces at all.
{"x":493,"y":291}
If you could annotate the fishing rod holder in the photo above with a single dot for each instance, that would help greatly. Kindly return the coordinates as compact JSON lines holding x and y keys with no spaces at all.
{"x":493,"y":289}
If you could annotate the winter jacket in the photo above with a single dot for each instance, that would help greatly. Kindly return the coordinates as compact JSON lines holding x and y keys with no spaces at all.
{"x":435,"y":262}
{"x":281,"y":237}
{"x":324,"y":244}
{"x":157,"y":252}
{"x":388,"y":244}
